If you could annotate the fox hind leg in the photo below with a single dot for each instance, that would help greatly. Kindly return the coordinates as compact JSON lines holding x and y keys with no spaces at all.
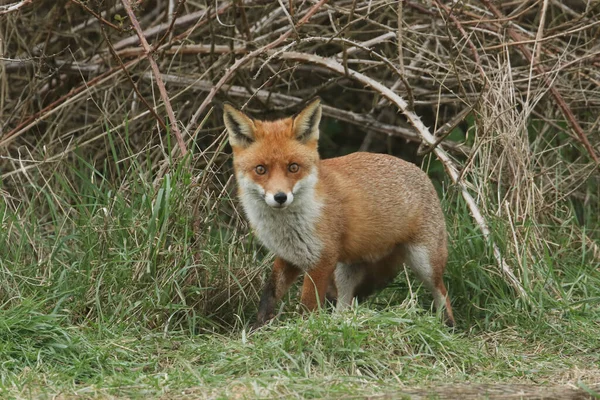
{"x":429,"y":267}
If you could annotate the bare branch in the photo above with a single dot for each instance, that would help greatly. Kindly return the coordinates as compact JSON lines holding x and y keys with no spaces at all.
{"x":159,"y":82}
{"x":96,"y":15}
{"x":8,"y":8}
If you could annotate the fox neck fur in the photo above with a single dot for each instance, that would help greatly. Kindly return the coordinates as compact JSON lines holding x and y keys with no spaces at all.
{"x":291,"y":232}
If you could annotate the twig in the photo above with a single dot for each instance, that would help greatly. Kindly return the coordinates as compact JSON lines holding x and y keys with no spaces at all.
{"x":540,"y":33}
{"x":173,"y":14}
{"x":343,"y":33}
{"x":194,"y":17}
{"x":444,"y":131}
{"x":130,"y":79}
{"x":245,"y":25}
{"x":399,"y":39}
{"x":386,"y":61}
{"x":367,"y":44}
{"x":96,"y":15}
{"x":289,"y":17}
{"x":156,"y":71}
{"x":464,"y":35}
{"x":7,"y":8}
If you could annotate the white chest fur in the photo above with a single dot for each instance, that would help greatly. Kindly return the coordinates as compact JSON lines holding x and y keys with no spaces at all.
{"x":290,"y":233}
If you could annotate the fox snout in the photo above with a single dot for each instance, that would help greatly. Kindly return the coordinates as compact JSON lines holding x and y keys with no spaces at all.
{"x":279,"y":199}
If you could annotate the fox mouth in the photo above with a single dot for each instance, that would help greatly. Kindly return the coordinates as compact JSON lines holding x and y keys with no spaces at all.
{"x":278,"y":206}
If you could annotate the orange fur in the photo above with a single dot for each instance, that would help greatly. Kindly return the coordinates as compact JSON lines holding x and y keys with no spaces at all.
{"x":350,"y":220}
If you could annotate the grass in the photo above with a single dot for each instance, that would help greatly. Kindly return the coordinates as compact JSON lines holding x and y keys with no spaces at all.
{"x":126,"y":274}
{"x":323,"y":355}
{"x":115,"y":289}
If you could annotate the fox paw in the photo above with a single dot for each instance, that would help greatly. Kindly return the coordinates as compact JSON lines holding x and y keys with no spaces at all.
{"x":262,"y":320}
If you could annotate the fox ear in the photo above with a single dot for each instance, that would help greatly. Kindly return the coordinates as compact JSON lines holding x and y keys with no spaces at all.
{"x":239,"y":126}
{"x":306,"y":122}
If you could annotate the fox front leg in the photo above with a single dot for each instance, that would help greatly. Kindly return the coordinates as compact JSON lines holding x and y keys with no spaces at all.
{"x":316,"y":284}
{"x":283,"y":275}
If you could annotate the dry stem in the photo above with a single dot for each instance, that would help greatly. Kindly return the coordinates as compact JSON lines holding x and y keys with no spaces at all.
{"x":156,"y":71}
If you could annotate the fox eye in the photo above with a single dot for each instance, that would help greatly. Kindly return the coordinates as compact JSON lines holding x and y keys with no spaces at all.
{"x":293,"y":167}
{"x":260,"y":169}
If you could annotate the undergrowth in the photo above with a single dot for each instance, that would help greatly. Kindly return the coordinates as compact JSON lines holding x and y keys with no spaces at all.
{"x":126,"y":272}
{"x":125,"y":289}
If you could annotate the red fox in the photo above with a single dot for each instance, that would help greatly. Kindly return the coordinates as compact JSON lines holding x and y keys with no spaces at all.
{"x":351,"y":221}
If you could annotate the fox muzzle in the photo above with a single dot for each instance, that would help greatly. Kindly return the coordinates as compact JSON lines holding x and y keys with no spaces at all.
{"x":279,"y":199}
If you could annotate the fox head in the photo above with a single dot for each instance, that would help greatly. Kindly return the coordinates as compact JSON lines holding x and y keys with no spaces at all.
{"x":275,"y":161}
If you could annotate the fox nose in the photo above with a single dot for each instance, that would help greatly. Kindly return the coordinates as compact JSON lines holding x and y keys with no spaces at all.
{"x":280,"y":197}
